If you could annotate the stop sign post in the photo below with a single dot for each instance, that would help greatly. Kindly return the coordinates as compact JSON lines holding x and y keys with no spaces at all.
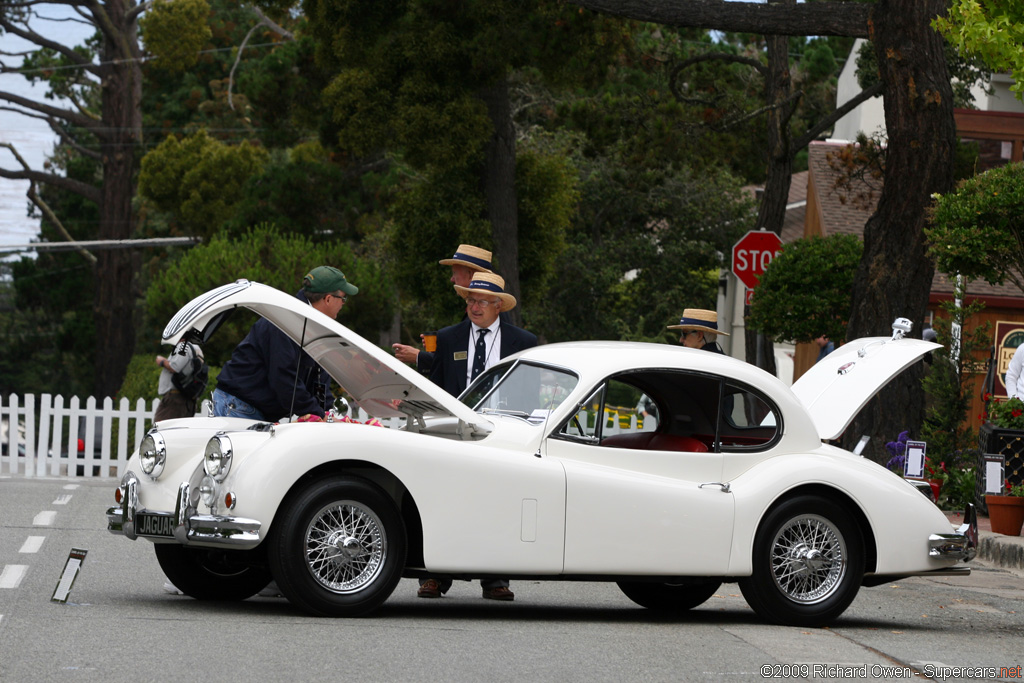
{"x":751,"y":256}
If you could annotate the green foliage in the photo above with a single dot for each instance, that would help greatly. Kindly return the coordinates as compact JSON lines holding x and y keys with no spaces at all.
{"x":958,"y":487}
{"x":199,"y":179}
{"x":1008,"y":414}
{"x":805,"y":291}
{"x":263,"y":255}
{"x":949,"y":385}
{"x":992,"y":30}
{"x":307,"y":194}
{"x":978,"y":230}
{"x":645,"y":244}
{"x":175,"y":31}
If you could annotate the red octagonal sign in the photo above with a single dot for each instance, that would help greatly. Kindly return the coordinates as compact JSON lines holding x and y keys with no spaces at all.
{"x":752,"y":254}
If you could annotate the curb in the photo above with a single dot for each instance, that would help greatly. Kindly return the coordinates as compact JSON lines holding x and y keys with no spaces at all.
{"x":1001,"y":551}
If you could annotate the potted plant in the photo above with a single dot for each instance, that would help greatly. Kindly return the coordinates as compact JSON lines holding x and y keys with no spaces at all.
{"x":1002,"y":433}
{"x":1007,"y":512}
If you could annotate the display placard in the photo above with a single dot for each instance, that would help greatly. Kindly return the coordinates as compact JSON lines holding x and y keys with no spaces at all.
{"x":913,"y":464}
{"x":994,"y":475}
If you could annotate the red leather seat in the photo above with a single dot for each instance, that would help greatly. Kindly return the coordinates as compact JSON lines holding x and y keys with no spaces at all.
{"x":653,"y":441}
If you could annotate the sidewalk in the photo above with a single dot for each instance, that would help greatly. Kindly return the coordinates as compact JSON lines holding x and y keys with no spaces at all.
{"x":995,"y":549}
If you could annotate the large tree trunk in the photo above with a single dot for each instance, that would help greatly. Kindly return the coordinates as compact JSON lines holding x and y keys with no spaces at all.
{"x":499,"y":183}
{"x":895,"y":274}
{"x":119,"y":140}
{"x":772,"y":211}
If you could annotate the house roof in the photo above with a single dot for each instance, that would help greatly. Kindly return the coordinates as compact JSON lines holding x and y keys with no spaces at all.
{"x":845,"y":211}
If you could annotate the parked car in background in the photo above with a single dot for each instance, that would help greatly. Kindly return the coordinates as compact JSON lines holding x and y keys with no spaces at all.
{"x":6,"y":435}
{"x":517,"y":478}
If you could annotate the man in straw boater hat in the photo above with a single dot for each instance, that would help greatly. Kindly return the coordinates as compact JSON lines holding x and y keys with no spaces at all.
{"x":696,"y":325}
{"x":465,"y":263}
{"x":464,"y":351}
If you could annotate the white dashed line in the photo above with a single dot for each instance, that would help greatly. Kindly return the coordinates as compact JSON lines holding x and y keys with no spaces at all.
{"x":70,"y":487}
{"x":32,"y":544}
{"x":45,"y":518}
{"x":62,"y":499}
{"x":12,"y":575}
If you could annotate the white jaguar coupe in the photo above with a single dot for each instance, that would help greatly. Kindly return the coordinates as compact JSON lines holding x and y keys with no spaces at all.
{"x":528,"y":475}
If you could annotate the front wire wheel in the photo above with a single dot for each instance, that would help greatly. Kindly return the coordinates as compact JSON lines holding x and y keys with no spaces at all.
{"x":346,"y":546}
{"x":808,"y":563}
{"x":338,"y":548}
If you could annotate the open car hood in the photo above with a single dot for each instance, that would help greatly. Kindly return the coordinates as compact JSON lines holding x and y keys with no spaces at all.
{"x":379,"y":383}
{"x":837,"y":387}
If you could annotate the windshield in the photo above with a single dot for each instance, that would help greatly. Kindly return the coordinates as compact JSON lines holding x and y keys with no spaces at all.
{"x":520,"y":389}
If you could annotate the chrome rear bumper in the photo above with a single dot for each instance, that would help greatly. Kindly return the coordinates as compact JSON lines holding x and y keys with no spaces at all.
{"x":961,"y":545}
{"x":186,"y":526}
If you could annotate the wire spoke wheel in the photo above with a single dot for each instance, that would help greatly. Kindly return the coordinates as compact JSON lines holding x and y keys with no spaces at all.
{"x":807,"y":563}
{"x":339,"y":548}
{"x":346,"y":546}
{"x":808,"y":559}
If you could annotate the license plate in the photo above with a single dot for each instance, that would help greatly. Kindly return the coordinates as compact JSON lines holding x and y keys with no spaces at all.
{"x":149,"y":524}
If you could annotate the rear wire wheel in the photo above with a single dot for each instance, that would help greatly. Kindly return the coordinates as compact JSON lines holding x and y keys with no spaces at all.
{"x":808,"y":563}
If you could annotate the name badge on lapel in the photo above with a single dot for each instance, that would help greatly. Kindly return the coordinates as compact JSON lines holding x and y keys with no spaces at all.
{"x":460,"y":355}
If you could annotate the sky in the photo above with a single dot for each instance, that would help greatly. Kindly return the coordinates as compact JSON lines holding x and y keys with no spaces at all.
{"x":33,"y":138}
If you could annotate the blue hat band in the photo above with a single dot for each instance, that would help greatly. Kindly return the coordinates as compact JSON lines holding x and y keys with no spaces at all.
{"x":489,"y":286}
{"x":699,"y":323}
{"x":472,"y":259}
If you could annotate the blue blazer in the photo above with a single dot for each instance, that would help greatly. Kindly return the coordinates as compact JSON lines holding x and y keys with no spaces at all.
{"x":450,"y":373}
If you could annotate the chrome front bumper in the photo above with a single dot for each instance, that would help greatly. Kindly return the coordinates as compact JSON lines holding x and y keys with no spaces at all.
{"x":961,"y":545}
{"x":185,"y":525}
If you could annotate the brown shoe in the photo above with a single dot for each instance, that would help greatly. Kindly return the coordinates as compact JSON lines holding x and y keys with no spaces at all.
{"x":499,"y":593}
{"x":429,"y":589}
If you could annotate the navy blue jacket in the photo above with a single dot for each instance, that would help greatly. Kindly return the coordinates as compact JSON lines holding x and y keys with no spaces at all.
{"x":451,"y":373}
{"x":262,"y":372}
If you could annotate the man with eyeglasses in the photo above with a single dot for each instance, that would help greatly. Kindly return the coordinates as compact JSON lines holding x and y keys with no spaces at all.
{"x":464,"y":351}
{"x":259,"y":382}
{"x":466,"y":262}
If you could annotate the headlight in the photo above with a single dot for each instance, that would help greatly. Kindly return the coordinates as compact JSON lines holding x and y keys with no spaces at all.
{"x":217,"y":462}
{"x":153,"y":454}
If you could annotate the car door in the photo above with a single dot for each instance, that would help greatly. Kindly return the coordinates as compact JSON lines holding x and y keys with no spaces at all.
{"x":637,"y":504}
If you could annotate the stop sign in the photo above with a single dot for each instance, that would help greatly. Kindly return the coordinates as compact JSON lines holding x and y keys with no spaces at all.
{"x":752,"y":254}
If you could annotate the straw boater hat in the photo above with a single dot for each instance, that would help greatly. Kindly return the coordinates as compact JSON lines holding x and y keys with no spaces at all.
{"x":698,"y":319}
{"x":491,"y":284}
{"x":472,"y":257}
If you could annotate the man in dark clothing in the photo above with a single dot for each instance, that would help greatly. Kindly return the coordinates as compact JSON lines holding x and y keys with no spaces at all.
{"x":259,"y":382}
{"x":465,"y":263}
{"x":463,"y":352}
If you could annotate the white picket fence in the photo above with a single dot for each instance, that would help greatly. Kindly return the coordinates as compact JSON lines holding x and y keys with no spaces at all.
{"x":96,"y":441}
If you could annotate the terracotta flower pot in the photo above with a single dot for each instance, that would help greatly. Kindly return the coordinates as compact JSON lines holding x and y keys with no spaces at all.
{"x":1006,"y":514}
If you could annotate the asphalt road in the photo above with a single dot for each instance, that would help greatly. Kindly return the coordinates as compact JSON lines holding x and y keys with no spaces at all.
{"x":120,"y":625}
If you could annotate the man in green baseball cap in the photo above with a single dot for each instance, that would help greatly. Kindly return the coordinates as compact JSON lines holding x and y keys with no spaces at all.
{"x":258,"y":382}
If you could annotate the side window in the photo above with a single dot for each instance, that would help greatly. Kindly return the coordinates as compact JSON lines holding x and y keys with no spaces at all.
{"x":748,"y":420}
{"x":585,"y":424}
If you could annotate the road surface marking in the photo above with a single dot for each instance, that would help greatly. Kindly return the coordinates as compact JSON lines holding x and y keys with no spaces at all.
{"x":62,"y":499}
{"x":12,"y":575}
{"x":45,"y":518}
{"x":32,"y":544}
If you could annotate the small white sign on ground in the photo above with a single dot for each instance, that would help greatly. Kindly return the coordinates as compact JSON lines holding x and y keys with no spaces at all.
{"x":67,"y":577}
